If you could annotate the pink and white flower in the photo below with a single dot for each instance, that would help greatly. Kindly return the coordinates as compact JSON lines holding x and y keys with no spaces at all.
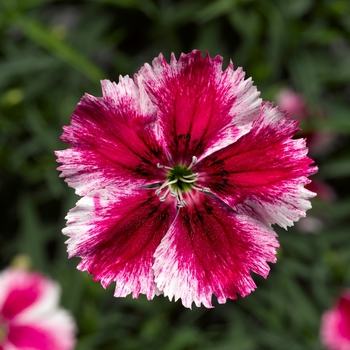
{"x":30,"y":318}
{"x":293,"y":103}
{"x":335,"y":324}
{"x":182,"y":170}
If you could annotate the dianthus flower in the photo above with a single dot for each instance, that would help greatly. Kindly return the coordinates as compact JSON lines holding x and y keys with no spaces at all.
{"x":335,"y":325}
{"x":294,"y":104}
{"x":183,"y":170}
{"x":30,"y":318}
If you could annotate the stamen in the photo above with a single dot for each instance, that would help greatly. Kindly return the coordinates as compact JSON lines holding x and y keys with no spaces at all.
{"x":194,"y":161}
{"x":158,"y":191}
{"x":163,"y":198}
{"x":173,"y":194}
{"x":166,"y":183}
{"x":192,"y":175}
{"x":202,"y":189}
{"x":180,"y":201}
{"x":187,"y":181}
{"x":184,"y":179}
{"x":159,"y":166}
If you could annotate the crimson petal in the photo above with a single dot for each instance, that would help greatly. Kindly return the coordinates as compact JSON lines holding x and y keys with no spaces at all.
{"x":263,"y":174}
{"x":116,"y":234}
{"x":113,"y":140}
{"x":211,"y":250}
{"x":201,"y":108}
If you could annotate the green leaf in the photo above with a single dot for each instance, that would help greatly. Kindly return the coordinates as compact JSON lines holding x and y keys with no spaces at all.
{"x":57,"y":47}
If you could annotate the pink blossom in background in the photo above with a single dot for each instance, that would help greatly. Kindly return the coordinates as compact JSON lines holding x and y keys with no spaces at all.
{"x":30,"y":318}
{"x":335,"y":324}
{"x":183,"y":170}
{"x":319,"y":142}
{"x":293,"y":103}
{"x":315,"y":223}
{"x":325,"y":192}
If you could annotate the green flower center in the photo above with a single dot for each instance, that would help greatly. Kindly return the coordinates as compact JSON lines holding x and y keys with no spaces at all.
{"x":184,"y":177}
{"x":179,"y":179}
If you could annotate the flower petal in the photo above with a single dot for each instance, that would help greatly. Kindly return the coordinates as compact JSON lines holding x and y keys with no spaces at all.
{"x":335,"y":322}
{"x":24,"y":293}
{"x":114,"y":140}
{"x":116,"y":234}
{"x":263,"y":174}
{"x":201,"y":108}
{"x":55,"y":331}
{"x":210,"y":249}
{"x":29,"y":306}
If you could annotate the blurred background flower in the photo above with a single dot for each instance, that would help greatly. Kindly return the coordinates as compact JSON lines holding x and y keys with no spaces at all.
{"x":319,"y":143}
{"x":29,"y":314}
{"x":335,"y":330}
{"x":293,"y":103}
{"x":52,"y":52}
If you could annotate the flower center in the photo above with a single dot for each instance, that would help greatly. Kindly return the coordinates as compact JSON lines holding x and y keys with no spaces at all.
{"x":179,"y":179}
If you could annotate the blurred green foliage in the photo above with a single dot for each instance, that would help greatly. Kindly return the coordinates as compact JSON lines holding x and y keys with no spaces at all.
{"x":53,"y":51}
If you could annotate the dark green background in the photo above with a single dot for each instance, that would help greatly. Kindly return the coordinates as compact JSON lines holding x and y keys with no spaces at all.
{"x":52,"y":52}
